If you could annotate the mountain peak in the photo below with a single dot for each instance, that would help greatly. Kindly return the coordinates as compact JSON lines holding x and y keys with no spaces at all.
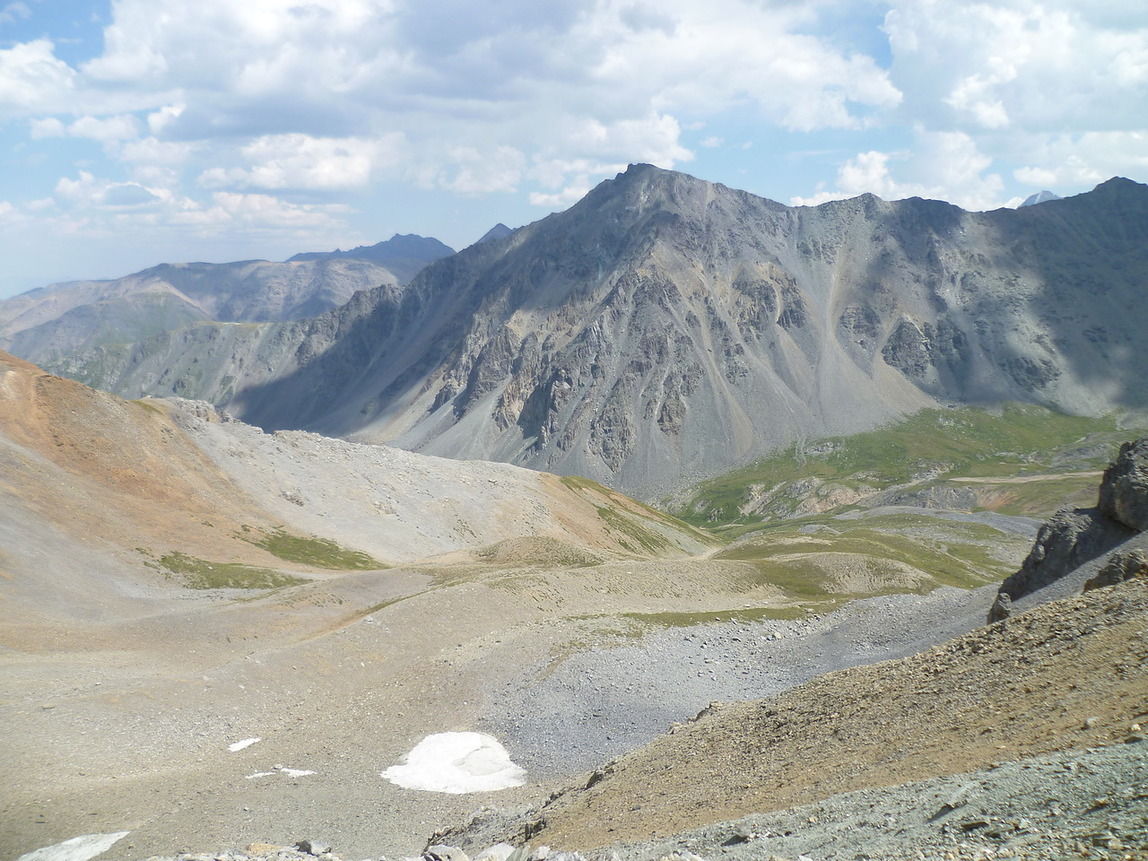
{"x":1039,"y":197}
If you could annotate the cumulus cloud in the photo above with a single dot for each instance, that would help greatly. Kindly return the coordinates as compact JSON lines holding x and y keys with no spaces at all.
{"x":89,"y":192}
{"x":297,"y":161}
{"x":945,"y":166}
{"x":1042,"y":65}
{"x":33,"y":80}
{"x":519,"y":83}
{"x":289,"y":101}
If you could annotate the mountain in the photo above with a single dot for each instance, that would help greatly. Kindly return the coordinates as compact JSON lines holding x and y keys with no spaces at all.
{"x":1040,"y":197}
{"x":404,"y":255}
{"x":665,"y":328}
{"x":44,"y":324}
{"x":499,"y":231}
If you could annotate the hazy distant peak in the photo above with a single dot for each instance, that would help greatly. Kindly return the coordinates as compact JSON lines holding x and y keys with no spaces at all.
{"x":1039,"y":197}
{"x":402,"y":254}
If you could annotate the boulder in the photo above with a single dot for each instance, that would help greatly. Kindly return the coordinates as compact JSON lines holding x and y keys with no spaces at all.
{"x":1001,"y":608}
{"x":1124,"y":488}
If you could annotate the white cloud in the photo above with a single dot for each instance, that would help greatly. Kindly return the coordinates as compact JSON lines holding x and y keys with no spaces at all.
{"x":32,"y":80}
{"x":298,"y":161}
{"x":47,"y":127}
{"x":109,"y":130}
{"x":86,"y":192}
{"x":941,"y":165}
{"x":519,"y":84}
{"x":13,"y":12}
{"x":1039,"y":65}
{"x":257,"y":213}
{"x":1081,"y":161}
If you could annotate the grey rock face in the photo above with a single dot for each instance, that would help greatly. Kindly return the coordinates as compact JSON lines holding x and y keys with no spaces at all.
{"x":1071,"y":538}
{"x":1001,"y":608}
{"x":1124,"y":489}
{"x":664,"y":329}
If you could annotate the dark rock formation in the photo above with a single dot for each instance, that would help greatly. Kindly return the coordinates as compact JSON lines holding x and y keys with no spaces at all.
{"x":1073,"y":537}
{"x":1124,"y":489}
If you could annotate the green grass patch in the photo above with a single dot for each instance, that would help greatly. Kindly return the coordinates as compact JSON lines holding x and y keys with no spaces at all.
{"x":201,"y":574}
{"x":621,"y":503}
{"x":316,"y":552}
{"x":1017,"y":440}
{"x":748,"y":614}
{"x":801,"y":557}
{"x":640,"y":537}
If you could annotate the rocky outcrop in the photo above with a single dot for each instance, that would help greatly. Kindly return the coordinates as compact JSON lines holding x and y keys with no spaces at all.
{"x":1075,"y":536}
{"x":1071,"y":538}
{"x":1124,"y":490}
{"x":664,"y":329}
{"x":1118,"y":568}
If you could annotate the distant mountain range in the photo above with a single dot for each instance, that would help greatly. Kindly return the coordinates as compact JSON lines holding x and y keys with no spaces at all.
{"x":43,"y":325}
{"x":403,"y":255}
{"x":665,"y":328}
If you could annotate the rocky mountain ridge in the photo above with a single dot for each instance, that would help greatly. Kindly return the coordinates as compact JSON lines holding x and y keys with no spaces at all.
{"x":42,"y":325}
{"x":666,"y":328}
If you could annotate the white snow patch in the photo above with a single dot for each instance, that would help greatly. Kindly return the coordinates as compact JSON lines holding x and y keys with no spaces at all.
{"x":280,"y":769}
{"x":457,"y":762}
{"x":76,"y":849}
{"x":239,"y":745}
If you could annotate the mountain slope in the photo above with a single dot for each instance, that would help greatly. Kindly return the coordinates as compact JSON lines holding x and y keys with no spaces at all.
{"x":98,"y":492}
{"x":63,"y":318}
{"x":665,"y":328}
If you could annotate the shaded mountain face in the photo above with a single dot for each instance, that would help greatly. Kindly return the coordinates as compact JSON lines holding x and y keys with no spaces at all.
{"x":665,"y":328}
{"x":44,"y":324}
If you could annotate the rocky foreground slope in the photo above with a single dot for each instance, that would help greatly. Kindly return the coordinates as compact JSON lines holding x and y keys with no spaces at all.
{"x":665,"y":328}
{"x":147,"y":695}
{"x":1046,"y":689}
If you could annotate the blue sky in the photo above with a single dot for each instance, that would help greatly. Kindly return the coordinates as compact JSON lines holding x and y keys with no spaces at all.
{"x":135,"y":132}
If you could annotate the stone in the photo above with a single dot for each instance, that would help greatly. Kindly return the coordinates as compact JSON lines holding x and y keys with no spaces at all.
{"x":1068,"y":540}
{"x":1118,"y":568}
{"x":1124,"y":488}
{"x":497,"y":852}
{"x":1001,"y":608}
{"x":314,"y":847}
{"x":439,"y":852}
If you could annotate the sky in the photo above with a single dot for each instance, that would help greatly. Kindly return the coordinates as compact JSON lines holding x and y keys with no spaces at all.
{"x":135,"y":132}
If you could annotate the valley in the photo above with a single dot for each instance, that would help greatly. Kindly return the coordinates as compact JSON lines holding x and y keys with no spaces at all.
{"x":696,"y":504}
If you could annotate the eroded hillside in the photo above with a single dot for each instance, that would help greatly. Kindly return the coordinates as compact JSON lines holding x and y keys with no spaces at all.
{"x":665,"y":329}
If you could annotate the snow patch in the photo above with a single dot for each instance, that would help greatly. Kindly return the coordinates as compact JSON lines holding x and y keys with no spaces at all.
{"x":77,"y":849}
{"x":239,"y":745}
{"x":280,"y":769}
{"x":457,"y":762}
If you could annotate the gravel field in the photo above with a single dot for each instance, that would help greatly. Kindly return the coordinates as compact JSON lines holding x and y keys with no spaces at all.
{"x":602,"y":702}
